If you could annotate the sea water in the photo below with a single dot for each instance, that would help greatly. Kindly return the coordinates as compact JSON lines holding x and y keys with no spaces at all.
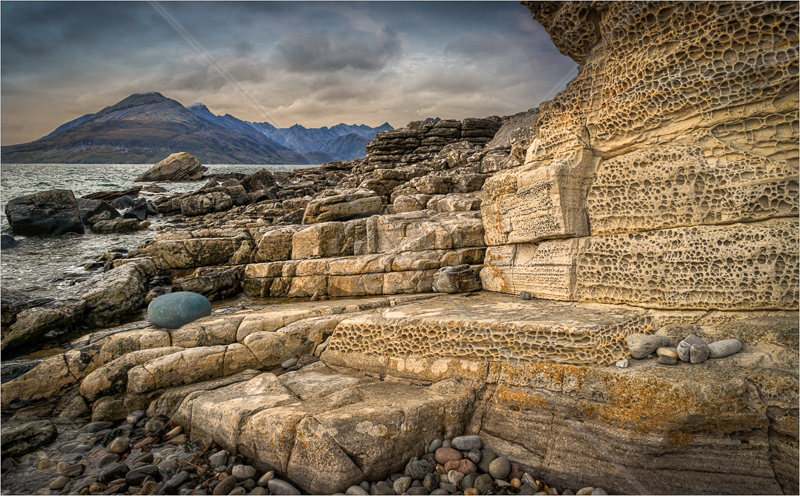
{"x":43,"y":266}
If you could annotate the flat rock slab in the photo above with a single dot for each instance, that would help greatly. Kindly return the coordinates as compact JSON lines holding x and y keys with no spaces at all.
{"x":494,"y":327}
{"x":311,"y":424}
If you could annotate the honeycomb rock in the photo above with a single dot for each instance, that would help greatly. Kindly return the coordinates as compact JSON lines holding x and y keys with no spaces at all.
{"x":706,"y":182}
{"x":492,"y":328}
{"x":735,"y":267}
{"x":670,"y":161}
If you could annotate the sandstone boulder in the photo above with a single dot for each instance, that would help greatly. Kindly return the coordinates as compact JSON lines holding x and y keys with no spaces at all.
{"x":13,"y":302}
{"x":342,"y":207}
{"x":177,"y":167}
{"x":45,"y":214}
{"x":212,"y":282}
{"x":456,"y":279}
{"x":33,"y":323}
{"x":114,"y":225}
{"x":217,"y":201}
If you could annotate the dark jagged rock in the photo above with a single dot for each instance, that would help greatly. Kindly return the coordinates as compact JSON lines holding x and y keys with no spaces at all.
{"x":45,"y":214}
{"x":90,"y":208}
{"x":7,"y":241}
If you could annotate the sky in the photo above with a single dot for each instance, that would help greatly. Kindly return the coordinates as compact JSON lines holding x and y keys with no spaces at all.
{"x":309,"y":63}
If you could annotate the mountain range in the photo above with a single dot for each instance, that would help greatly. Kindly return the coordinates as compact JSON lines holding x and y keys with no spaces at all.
{"x":147,"y":127}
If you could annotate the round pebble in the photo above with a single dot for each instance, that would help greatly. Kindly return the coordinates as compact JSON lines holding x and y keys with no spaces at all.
{"x":179,"y":439}
{"x":45,"y":465}
{"x":699,"y":353}
{"x":584,"y":491}
{"x":484,"y":484}
{"x":243,"y":472}
{"x":467,"y":443}
{"x":685,"y":346}
{"x":258,"y":491}
{"x":500,"y":467}
{"x":435,"y":444}
{"x":356,"y":491}
{"x":401,"y":485}
{"x":107,"y":460}
{"x":455,"y":477}
{"x":150,"y":487}
{"x":74,"y":470}
{"x":225,"y":486}
{"x":474,"y":455}
{"x":444,"y":455}
{"x":289,"y":363}
{"x":724,"y":348}
{"x":135,"y":416}
{"x":468,"y":481}
{"x":599,"y":490}
{"x":264,"y":479}
{"x":99,"y":426}
{"x":238,"y":490}
{"x":471,"y":492}
{"x":516,"y":483}
{"x":219,"y":459}
{"x":464,"y":466}
{"x":174,"y":432}
{"x":641,"y":345}
{"x":667,"y":355}
{"x":154,"y":425}
{"x":487,"y":456}
{"x":59,"y":483}
{"x":277,"y":486}
{"x":119,"y":444}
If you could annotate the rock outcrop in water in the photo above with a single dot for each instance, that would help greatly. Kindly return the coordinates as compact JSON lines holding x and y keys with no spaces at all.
{"x":655,"y":196}
{"x":177,"y":167}
{"x":45,"y":214}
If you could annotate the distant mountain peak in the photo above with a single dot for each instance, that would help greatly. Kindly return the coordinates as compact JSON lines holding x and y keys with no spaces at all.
{"x":198,"y":106}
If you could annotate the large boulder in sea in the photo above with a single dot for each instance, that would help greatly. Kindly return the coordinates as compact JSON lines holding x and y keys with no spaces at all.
{"x":45,"y":214}
{"x":177,"y":167}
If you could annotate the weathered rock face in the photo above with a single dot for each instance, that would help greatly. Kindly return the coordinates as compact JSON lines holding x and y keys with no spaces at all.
{"x":177,"y":167}
{"x":421,"y":140}
{"x":45,"y":214}
{"x":669,"y":199}
{"x":342,"y":207}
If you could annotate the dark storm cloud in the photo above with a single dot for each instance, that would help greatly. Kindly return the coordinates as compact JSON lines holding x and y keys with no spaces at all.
{"x":319,"y":51}
{"x":313,"y":63}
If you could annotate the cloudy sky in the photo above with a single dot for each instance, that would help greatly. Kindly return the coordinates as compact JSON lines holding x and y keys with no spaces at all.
{"x":312,"y":63}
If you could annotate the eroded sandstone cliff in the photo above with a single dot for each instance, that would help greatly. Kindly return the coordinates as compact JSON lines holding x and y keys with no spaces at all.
{"x":656,"y":194}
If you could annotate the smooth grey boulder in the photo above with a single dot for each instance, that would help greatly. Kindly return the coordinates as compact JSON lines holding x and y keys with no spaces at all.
{"x":45,"y":214}
{"x":724,"y":347}
{"x":642,"y":345}
{"x":175,"y":310}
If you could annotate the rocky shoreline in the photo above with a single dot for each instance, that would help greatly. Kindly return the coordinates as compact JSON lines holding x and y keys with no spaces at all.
{"x":603,"y":290}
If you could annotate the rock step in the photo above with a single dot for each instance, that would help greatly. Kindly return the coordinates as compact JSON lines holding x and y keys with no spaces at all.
{"x":495,"y":328}
{"x":411,"y":272}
